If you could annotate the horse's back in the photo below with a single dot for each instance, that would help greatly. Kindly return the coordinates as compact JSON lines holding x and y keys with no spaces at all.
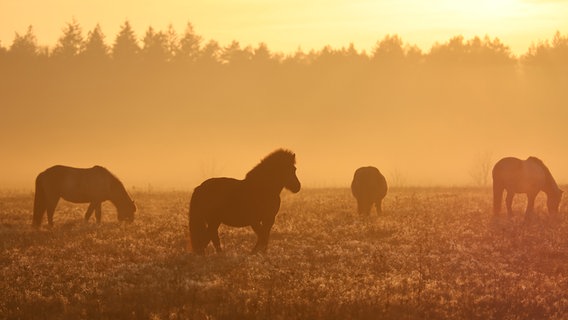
{"x":64,"y":171}
{"x":216,"y":185}
{"x":518,"y":175}
{"x":76,"y":184}
{"x":231,"y":201}
{"x":53,"y":176}
{"x":368,"y":180}
{"x":214,"y":191}
{"x":507,"y":164}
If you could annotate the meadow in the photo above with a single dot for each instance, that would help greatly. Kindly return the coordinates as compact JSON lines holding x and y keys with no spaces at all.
{"x":435,"y":253}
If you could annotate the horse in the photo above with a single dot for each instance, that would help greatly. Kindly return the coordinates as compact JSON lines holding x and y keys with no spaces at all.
{"x":253,"y":201}
{"x":528,"y":176}
{"x":91,"y":185}
{"x":369,"y":187}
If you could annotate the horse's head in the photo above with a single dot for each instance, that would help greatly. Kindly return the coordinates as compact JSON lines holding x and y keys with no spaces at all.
{"x":553,"y":201}
{"x":288,"y":171}
{"x":278,"y":170}
{"x":126,"y":211}
{"x":291,"y":181}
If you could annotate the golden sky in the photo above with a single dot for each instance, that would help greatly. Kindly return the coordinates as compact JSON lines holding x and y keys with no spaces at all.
{"x":287,"y":25}
{"x":447,"y":123}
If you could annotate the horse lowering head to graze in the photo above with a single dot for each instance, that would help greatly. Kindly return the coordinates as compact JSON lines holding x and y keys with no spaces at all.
{"x":528,"y":176}
{"x":93,"y":185}
{"x":369,"y":187}
{"x":254,"y":201}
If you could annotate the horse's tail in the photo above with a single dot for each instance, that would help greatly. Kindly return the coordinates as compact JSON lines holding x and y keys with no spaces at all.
{"x":197,"y":224}
{"x":39,"y":202}
{"x":497,"y":195}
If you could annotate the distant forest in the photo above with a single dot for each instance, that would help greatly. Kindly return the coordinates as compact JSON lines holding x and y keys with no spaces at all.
{"x":167,"y":88}
{"x":190,"y":49}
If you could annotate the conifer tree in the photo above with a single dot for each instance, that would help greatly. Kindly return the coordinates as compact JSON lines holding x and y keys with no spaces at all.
{"x":125,"y":46}
{"x":95,"y":47}
{"x":70,"y":44}
{"x":25,"y":46}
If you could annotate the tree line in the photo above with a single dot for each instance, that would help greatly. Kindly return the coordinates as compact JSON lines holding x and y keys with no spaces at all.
{"x":168,"y":93}
{"x":167,"y":46}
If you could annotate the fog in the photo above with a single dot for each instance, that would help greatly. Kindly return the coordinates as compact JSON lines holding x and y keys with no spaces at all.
{"x":168,"y":119}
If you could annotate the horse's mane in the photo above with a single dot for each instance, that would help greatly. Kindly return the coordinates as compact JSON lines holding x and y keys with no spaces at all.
{"x":114,"y":178}
{"x":547,"y":173}
{"x":278,"y":159}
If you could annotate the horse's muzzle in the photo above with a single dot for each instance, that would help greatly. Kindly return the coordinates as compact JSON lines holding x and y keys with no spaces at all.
{"x":295,"y":188}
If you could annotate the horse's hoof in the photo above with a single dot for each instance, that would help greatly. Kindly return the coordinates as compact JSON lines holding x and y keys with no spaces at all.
{"x":257,"y":251}
{"x":200,"y":252}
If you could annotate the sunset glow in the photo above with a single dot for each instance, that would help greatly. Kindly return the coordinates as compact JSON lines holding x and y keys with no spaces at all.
{"x":285,"y":26}
{"x":444,"y":81}
{"x":293,"y":159}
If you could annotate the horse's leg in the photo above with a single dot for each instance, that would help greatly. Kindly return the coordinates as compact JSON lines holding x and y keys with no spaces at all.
{"x":213,"y":230}
{"x":497,"y":198}
{"x":364,"y":206}
{"x":262,"y":230}
{"x":39,"y":210}
{"x":379,"y":205}
{"x":359,"y":207}
{"x":89,"y":212}
{"x":51,"y":204}
{"x":258,"y":229}
{"x":39,"y":204}
{"x":530,"y":203}
{"x":509,"y":200}
{"x":98,"y":212}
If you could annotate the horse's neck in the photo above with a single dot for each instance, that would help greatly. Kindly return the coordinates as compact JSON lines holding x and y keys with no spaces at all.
{"x":537,"y":167}
{"x":550,"y":186}
{"x":264,"y":185}
{"x":118,"y":194}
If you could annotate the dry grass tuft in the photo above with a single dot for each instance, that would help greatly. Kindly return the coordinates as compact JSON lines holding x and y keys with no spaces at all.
{"x":434,"y":253}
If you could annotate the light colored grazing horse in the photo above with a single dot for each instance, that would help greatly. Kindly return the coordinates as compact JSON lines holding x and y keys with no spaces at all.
{"x":91,"y":185}
{"x":524,"y":176}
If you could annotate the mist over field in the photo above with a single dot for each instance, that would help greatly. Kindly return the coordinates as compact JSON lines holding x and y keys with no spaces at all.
{"x":166,"y":109}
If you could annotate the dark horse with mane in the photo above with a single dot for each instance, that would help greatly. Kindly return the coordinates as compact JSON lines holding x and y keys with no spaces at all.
{"x":524,"y":176}
{"x":93,"y":185}
{"x":369,"y":187}
{"x":254,"y":201}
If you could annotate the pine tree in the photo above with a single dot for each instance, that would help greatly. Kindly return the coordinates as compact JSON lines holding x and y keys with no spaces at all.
{"x":70,"y":45}
{"x":234,"y":55}
{"x":155,"y":47}
{"x":25,"y":46}
{"x":95,"y":47}
{"x":125,"y":46}
{"x":189,"y":48}
{"x":211,"y":53}
{"x":172,"y":44}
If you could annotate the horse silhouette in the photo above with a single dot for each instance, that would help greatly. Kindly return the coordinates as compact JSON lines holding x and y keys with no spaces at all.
{"x":93,"y":185}
{"x":369,"y":187}
{"x":254,"y":201}
{"x":528,"y":176}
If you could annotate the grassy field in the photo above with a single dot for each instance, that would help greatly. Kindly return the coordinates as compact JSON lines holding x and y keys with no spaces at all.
{"x":433,"y":254}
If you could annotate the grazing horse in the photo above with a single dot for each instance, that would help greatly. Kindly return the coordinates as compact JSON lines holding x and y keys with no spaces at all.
{"x":369,"y":187}
{"x":524,"y":176}
{"x":254,"y":201}
{"x":93,"y":186}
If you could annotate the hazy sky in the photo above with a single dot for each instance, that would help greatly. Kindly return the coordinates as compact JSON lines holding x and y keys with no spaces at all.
{"x":164,"y":143}
{"x":287,"y":25}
